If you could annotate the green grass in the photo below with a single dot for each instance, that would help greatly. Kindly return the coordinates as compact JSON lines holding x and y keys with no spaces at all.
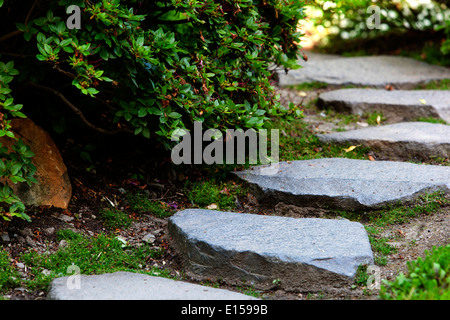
{"x":306,"y":86}
{"x":223,"y":194}
{"x":300,"y":143}
{"x":432,"y":120}
{"x":115,"y":219}
{"x":435,"y":85}
{"x":398,"y":214}
{"x":9,"y":276}
{"x":361,"y":276}
{"x":375,"y":118}
{"x":427,"y":278}
{"x":93,"y":255}
{"x":377,"y":220}
{"x":140,"y":203}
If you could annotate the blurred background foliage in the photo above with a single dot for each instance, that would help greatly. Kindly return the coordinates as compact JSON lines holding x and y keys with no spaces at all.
{"x":416,"y":28}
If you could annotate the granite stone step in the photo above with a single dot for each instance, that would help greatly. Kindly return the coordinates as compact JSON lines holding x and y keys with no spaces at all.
{"x":306,"y":254}
{"x":134,"y":286}
{"x":405,"y":140}
{"x":342,"y":183}
{"x":379,"y":71}
{"x":395,"y":105}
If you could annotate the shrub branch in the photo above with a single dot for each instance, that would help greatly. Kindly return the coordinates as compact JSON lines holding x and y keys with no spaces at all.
{"x":77,"y":111}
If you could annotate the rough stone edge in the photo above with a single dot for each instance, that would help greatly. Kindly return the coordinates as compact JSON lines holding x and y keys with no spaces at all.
{"x":228,"y":295}
{"x":393,"y":113}
{"x":297,"y":277}
{"x":270,"y":197}
{"x":402,"y":149}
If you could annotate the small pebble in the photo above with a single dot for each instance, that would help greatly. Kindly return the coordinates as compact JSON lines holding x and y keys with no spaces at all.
{"x":5,"y":237}
{"x":149,"y":238}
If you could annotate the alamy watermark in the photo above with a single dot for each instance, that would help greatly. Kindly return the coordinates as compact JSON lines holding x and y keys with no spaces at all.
{"x":74,"y":280}
{"x":230,"y":147}
{"x":74,"y":20}
{"x":374,"y":21}
{"x":374,"y":280}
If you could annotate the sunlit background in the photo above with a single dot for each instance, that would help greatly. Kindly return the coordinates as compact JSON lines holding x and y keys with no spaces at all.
{"x":348,"y":19}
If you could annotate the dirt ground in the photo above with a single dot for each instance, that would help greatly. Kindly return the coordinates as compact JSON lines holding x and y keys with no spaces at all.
{"x":94,"y":189}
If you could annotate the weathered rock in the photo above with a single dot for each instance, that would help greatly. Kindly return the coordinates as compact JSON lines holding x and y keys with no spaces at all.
{"x":133,"y":286}
{"x":5,"y":237}
{"x":365,"y":71}
{"x":345,"y":183}
{"x":396,"y":105}
{"x":405,"y":140}
{"x":302,"y":254}
{"x":53,"y":187}
{"x":149,"y":238}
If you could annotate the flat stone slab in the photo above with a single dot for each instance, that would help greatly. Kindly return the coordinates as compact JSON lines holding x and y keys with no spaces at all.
{"x":363,"y":71}
{"x":405,"y":140}
{"x":396,"y":105}
{"x":307,"y":254}
{"x":134,"y":286}
{"x":345,"y":183}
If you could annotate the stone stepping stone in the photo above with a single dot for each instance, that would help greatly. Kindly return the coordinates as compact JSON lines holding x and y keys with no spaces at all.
{"x":404,"y":140}
{"x":363,"y":71}
{"x":306,"y":254}
{"x":345,"y":183}
{"x":134,"y":286}
{"x":396,"y":105}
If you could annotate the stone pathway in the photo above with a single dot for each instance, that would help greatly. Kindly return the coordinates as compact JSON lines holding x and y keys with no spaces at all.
{"x":307,"y":254}
{"x":345,"y":183}
{"x":134,"y":286}
{"x":395,"y":105}
{"x":405,"y":140}
{"x":267,"y":251}
{"x":376,"y":71}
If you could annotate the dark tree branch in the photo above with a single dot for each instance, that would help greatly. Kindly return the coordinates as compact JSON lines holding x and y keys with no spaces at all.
{"x":73,"y":108}
{"x":17,"y":32}
{"x":30,"y":12}
{"x":10,"y":35}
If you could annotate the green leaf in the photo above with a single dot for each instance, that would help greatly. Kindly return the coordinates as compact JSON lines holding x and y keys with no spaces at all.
{"x":15,"y":168}
{"x":137,"y":130}
{"x":8,"y":102}
{"x":48,"y":49}
{"x":28,"y":154}
{"x":18,"y":114}
{"x":5,"y":90}
{"x":146,"y":132}
{"x":40,"y":37}
{"x":142,"y":112}
{"x":65,"y":42}
{"x":92,"y":91}
{"x":40,"y":57}
{"x":175,"y":115}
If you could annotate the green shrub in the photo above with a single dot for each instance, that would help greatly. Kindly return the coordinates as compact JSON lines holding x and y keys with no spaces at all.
{"x":427,"y":278}
{"x":446,"y":44}
{"x":351,"y":16}
{"x":151,"y":68}
{"x":348,"y":20}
